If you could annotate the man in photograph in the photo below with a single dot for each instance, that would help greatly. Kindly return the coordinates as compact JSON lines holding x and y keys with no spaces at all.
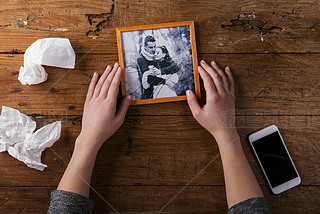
{"x":146,"y":62}
{"x":146,"y":57}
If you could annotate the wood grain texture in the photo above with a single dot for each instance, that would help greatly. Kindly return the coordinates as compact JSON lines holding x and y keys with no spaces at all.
{"x":284,"y":84}
{"x":148,"y":199}
{"x":164,"y":150}
{"x":223,"y":26}
{"x":273,"y":49}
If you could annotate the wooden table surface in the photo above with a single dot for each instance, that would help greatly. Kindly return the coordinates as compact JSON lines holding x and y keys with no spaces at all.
{"x":161,"y":159}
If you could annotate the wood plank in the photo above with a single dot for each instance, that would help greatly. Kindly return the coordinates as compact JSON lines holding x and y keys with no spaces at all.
{"x":147,"y":199}
{"x":277,"y":84}
{"x":201,"y":199}
{"x":164,"y":150}
{"x":25,"y":199}
{"x":238,"y":28}
{"x":24,"y":22}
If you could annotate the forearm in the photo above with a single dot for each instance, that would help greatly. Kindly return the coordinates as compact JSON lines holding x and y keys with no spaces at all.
{"x":240,"y":182}
{"x":77,"y":176}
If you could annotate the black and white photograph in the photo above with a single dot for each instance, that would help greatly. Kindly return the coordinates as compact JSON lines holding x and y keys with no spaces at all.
{"x":158,"y":63}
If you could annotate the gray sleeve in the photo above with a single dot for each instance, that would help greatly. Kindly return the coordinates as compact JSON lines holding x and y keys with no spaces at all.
{"x":258,"y":205}
{"x":69,"y":202}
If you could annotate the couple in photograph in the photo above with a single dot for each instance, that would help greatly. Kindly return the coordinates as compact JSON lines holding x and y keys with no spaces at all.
{"x":158,"y":72}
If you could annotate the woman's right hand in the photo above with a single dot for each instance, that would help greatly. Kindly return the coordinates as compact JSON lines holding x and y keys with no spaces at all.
{"x":218,"y":114}
{"x":100,"y":118}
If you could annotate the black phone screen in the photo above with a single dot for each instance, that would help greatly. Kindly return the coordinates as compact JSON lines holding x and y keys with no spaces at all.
{"x":274,"y":159}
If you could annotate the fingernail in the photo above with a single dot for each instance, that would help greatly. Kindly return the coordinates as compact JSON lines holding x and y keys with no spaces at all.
{"x":119,"y":68}
{"x":228,"y":69}
{"x":188,"y":93}
{"x":202,"y":61}
{"x":129,"y":98}
{"x":94,"y":74}
{"x":116,"y":64}
{"x":108,"y":67}
{"x":213,"y":62}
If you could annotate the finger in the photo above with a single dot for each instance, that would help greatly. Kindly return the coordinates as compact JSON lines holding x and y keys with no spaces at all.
{"x":193,"y":104}
{"x":231,"y":80}
{"x":114,"y":86}
{"x":222,"y":74}
{"x":214,"y":75}
{"x":207,"y":81}
{"x":105,"y":87}
{"x":91,"y":86}
{"x":123,"y":108}
{"x":101,"y":81}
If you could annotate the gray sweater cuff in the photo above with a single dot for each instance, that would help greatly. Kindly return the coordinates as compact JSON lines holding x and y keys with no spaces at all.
{"x":69,"y":202}
{"x":258,"y":205}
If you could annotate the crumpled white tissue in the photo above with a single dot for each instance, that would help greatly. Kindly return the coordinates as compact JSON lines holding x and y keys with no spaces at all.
{"x":17,"y":136}
{"x":56,"y":52}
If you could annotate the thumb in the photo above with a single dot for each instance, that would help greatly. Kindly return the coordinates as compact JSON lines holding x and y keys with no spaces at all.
{"x":123,"y":108}
{"x":193,"y":104}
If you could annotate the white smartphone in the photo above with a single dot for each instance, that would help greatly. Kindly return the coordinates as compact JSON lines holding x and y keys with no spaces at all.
{"x":274,"y":159}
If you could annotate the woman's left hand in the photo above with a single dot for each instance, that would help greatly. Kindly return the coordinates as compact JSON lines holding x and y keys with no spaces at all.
{"x":100,"y":119}
{"x":156,"y":71}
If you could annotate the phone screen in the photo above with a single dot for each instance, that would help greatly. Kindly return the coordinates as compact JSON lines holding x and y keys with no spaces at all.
{"x":274,"y":159}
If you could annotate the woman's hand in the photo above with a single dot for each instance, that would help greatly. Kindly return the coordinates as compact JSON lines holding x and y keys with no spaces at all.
{"x":217,"y":115}
{"x":156,"y":72}
{"x":100,"y":119}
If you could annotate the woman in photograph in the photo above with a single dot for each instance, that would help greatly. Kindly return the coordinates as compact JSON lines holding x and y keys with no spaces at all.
{"x":163,"y":76}
{"x":164,"y":62}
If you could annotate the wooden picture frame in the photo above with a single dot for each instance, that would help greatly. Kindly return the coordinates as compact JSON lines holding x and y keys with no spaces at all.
{"x":167,"y":27}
